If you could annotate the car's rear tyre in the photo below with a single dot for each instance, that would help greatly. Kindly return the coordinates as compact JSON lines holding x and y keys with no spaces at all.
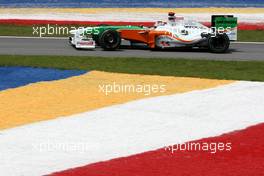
{"x":110,"y":40}
{"x":219,"y":43}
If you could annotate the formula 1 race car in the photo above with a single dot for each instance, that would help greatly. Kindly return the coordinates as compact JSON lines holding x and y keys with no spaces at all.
{"x":176,"y":32}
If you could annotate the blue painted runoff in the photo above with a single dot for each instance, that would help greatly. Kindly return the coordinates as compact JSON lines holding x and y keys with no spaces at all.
{"x":12,"y":77}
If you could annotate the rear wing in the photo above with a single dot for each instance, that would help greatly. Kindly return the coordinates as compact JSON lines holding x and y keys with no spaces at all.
{"x":227,"y":22}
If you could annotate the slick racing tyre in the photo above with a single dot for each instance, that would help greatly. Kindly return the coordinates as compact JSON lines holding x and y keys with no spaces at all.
{"x":110,"y":40}
{"x":219,"y":43}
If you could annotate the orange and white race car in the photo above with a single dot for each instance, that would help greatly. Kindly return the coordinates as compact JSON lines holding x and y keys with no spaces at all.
{"x":176,"y":32}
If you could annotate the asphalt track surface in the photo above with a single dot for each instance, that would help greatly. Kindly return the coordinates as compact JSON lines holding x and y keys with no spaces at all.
{"x":55,"y":46}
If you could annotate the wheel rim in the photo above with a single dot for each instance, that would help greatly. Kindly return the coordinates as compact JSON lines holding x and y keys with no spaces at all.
{"x":218,"y":42}
{"x":110,"y":38}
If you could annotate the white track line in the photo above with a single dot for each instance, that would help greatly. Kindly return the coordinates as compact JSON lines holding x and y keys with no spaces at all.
{"x":257,"y":43}
{"x":25,"y":37}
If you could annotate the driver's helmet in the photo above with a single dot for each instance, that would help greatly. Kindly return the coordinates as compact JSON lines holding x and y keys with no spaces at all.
{"x":171,"y":17}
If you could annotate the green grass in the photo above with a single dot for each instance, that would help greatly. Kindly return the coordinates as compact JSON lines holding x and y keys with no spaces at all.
{"x":18,"y":30}
{"x":256,"y":36}
{"x":230,"y":70}
{"x":13,"y":30}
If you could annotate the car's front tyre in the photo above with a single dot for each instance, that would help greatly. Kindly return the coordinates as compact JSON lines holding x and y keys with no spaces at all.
{"x":110,"y":40}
